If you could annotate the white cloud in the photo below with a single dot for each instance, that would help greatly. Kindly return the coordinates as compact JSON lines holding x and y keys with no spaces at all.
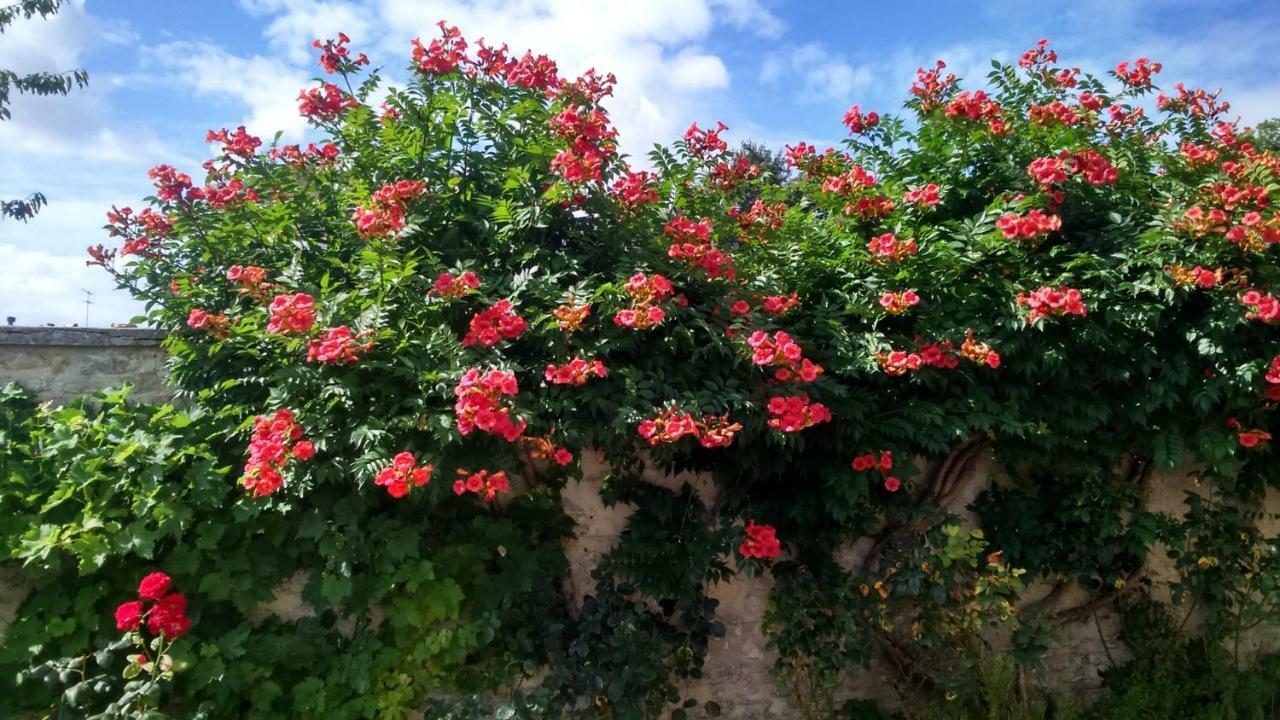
{"x":268,"y":87}
{"x":815,"y":74}
{"x":38,"y":287}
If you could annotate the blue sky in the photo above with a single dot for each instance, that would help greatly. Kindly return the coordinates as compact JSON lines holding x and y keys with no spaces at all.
{"x":162,"y":72}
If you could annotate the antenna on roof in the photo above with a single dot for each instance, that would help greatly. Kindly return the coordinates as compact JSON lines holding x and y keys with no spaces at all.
{"x":87,"y":302}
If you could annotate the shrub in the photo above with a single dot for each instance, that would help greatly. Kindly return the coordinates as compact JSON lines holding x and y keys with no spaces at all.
{"x":416,"y":327}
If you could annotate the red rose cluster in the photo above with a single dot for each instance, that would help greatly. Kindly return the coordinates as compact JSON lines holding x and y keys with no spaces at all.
{"x":1052,"y":302}
{"x":896,"y":303}
{"x":338,"y":346}
{"x":888,"y":247}
{"x":479,"y":405}
{"x":483,"y":483}
{"x":575,"y":372}
{"x":450,"y":287}
{"x":781,"y":352}
{"x":292,"y":314}
{"x":385,"y":214}
{"x":403,"y":474}
{"x":883,"y":463}
{"x":793,"y":413}
{"x":167,"y":615}
{"x":494,"y":324}
{"x":761,"y":542}
{"x":647,"y":293}
{"x":276,"y":439}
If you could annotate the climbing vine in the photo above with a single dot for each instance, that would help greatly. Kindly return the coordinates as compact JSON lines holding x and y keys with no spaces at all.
{"x":397,"y":345}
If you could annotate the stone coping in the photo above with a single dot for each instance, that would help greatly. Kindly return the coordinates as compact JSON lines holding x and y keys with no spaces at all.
{"x":80,"y":337}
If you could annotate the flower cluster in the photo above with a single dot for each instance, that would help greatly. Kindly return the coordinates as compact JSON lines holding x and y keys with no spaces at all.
{"x":1195,"y":277}
{"x":635,"y":189}
{"x":239,"y":143}
{"x":1054,"y":113}
{"x":780,"y":304}
{"x":979,"y":352}
{"x":251,"y":279}
{"x":494,"y":324}
{"x":385,"y":214}
{"x":335,"y":57}
{"x":1048,"y":301}
{"x":1272,"y":378}
{"x":591,"y":143}
{"x":931,"y":86}
{"x":207,"y":322}
{"x":483,"y":483}
{"x":669,"y":426}
{"x":1138,"y":75}
{"x":338,"y":346}
{"x":543,"y":447}
{"x":1031,"y":226}
{"x":896,"y":303}
{"x":139,"y":232}
{"x":276,"y":439}
{"x":292,"y":314}
{"x":977,"y":105}
{"x":691,"y":242}
{"x":1248,"y":439}
{"x":859,"y":123}
{"x":705,"y":143}
{"x":325,"y":103}
{"x":480,"y":407}
{"x":727,"y":176}
{"x":442,"y":55}
{"x":575,"y":372}
{"x":569,"y":317}
{"x":1262,"y":307}
{"x":759,"y":219}
{"x":761,"y":542}
{"x":403,"y":474}
{"x":171,"y":185}
{"x":647,"y":293}
{"x":793,"y":413}
{"x":167,"y":615}
{"x":450,"y":287}
{"x":298,"y":157}
{"x":924,"y":196}
{"x":888,"y":247}
{"x":882,"y":463}
{"x":784,"y":354}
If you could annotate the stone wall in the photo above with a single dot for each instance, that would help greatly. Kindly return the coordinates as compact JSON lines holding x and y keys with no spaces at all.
{"x":59,"y":363}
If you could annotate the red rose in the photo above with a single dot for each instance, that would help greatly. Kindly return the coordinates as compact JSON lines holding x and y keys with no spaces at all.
{"x":129,"y":615}
{"x":154,"y":586}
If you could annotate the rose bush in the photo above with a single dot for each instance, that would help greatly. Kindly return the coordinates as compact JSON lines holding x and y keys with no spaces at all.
{"x":468,"y":280}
